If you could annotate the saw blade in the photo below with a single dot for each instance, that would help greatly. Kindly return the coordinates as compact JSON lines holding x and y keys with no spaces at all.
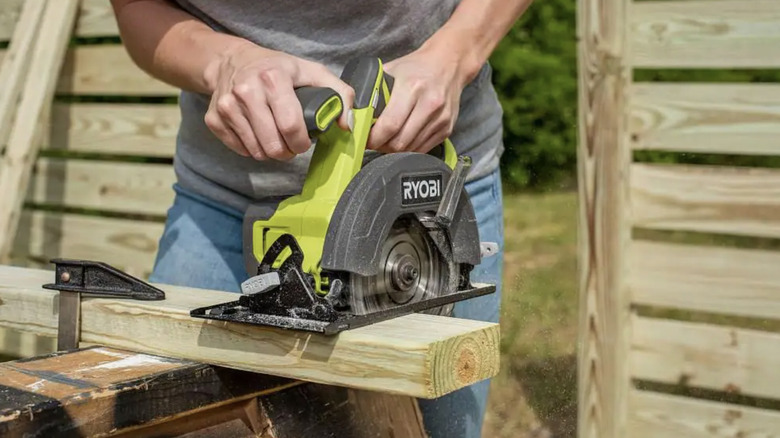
{"x":411,"y":269}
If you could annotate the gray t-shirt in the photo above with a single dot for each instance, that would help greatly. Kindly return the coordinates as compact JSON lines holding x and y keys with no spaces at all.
{"x":332,"y":33}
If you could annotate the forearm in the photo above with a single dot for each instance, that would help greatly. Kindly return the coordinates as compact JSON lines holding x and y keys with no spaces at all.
{"x":474,"y":30}
{"x":172,"y":45}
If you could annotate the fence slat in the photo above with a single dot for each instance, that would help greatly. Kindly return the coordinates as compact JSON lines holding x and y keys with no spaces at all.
{"x":655,"y":415}
{"x":707,"y":118}
{"x":125,"y":129}
{"x":139,"y":188}
{"x":107,"y":70}
{"x":707,"y":356}
{"x":731,"y":200}
{"x":706,"y":34}
{"x":705,"y":278}
{"x":127,"y":244}
{"x":95,"y":19}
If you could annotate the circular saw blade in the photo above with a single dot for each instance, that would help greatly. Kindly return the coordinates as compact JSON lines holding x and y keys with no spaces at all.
{"x":411,"y":269}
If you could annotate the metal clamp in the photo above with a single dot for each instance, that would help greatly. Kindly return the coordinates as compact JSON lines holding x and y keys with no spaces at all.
{"x":75,"y":277}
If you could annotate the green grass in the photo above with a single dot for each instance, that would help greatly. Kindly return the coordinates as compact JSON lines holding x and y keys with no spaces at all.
{"x":535,"y":393}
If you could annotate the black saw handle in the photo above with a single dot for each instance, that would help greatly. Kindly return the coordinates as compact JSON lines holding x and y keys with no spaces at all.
{"x":321,"y":107}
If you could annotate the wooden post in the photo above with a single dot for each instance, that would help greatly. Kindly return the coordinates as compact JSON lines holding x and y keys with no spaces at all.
{"x":603,"y":160}
{"x":16,"y":62}
{"x":24,"y":142}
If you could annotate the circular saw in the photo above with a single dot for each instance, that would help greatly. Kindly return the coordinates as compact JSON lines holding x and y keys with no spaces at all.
{"x":362,"y":242}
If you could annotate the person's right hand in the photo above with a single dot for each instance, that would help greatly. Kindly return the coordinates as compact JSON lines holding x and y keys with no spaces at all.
{"x":254,"y":110}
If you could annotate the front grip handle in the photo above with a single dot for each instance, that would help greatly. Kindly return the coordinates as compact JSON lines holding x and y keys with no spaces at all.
{"x":321,"y":107}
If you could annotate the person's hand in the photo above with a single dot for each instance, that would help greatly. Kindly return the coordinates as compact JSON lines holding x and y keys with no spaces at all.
{"x":254,"y":110}
{"x":424,"y":103}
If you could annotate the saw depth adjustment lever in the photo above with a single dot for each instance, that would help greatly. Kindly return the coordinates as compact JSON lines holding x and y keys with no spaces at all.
{"x":72,"y":278}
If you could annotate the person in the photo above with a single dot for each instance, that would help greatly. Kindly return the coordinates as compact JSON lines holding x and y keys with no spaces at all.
{"x":242,"y":137}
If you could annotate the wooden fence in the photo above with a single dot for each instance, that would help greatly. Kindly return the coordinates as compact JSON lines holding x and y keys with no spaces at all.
{"x":102,"y":185}
{"x":678,"y":339}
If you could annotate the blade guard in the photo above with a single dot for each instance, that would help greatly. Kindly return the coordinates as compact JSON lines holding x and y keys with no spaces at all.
{"x":375,"y":197}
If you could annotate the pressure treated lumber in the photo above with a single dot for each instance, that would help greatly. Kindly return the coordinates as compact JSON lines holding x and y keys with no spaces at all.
{"x":95,"y":19}
{"x":107,"y":70}
{"x":14,"y":67}
{"x":728,"y":281}
{"x":103,"y":391}
{"x":124,"y":243}
{"x":603,"y":157}
{"x":115,"y":129}
{"x":705,"y":34}
{"x":655,"y":415}
{"x":136,"y":188}
{"x":23,"y":143}
{"x":418,"y":355}
{"x":716,"y":199}
{"x":706,"y":118}
{"x":721,"y":358}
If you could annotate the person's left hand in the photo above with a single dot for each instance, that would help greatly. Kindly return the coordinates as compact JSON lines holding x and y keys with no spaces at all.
{"x":424,"y":104}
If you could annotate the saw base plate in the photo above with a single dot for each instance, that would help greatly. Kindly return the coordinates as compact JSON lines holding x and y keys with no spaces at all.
{"x":233,"y":311}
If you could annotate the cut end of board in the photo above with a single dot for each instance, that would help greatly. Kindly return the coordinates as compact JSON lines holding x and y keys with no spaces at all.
{"x":460,"y":361}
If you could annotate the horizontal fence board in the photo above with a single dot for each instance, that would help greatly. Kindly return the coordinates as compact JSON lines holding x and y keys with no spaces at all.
{"x":139,"y":188}
{"x":706,"y":118}
{"x":705,"y":278}
{"x":127,"y":244}
{"x":655,"y":415}
{"x":706,"y":356}
{"x":107,"y":70}
{"x":95,"y":19}
{"x":125,"y":129}
{"x":706,"y":34}
{"x":731,"y":200}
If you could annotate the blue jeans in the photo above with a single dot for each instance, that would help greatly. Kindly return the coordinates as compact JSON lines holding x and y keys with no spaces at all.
{"x":202,"y":247}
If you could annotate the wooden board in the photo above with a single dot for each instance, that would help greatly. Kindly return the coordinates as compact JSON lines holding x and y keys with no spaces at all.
{"x":17,"y":344}
{"x":705,"y":278}
{"x":707,"y":118}
{"x":708,"y":356}
{"x":706,"y":33}
{"x":130,"y":245}
{"x":731,"y":200}
{"x":107,"y":70}
{"x":116,"y":129}
{"x":100,"y":391}
{"x":95,"y":19}
{"x":24,"y":140}
{"x":139,"y":188}
{"x":417,"y":355}
{"x":603,"y":156}
{"x":14,"y":69}
{"x":655,"y":415}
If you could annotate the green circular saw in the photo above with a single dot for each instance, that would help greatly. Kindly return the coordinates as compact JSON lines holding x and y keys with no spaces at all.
{"x":362,"y":242}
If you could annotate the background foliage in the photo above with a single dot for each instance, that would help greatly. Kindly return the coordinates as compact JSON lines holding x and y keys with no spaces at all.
{"x":535,"y":75}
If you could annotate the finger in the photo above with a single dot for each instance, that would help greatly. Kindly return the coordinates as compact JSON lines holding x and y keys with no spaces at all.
{"x":288,"y":115}
{"x":224,"y":133}
{"x":417,"y":122}
{"x":392,"y":120}
{"x":233,"y":115}
{"x":431,"y":141}
{"x":260,"y":119}
{"x":435,"y":131}
{"x":271,"y":141}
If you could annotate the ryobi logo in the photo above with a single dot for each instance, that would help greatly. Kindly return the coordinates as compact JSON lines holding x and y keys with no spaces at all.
{"x":421,"y":189}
